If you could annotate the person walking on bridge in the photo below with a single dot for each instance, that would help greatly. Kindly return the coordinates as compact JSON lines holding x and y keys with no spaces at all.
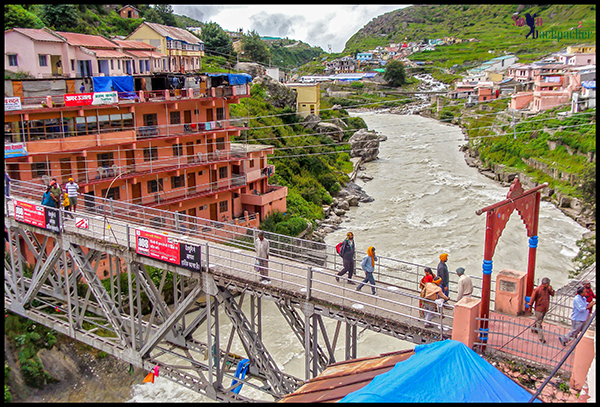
{"x":541,"y":298}
{"x":442,"y":272}
{"x":581,"y":311}
{"x":261,"y":247}
{"x":368,"y":266}
{"x":347,"y":252}
{"x":72,"y":189}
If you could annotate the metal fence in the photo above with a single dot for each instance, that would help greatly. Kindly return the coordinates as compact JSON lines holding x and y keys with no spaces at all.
{"x":396,"y":273}
{"x":513,"y":336}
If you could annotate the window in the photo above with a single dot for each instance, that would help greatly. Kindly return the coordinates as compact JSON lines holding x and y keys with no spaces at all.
{"x":150,"y":153}
{"x":141,"y":66}
{"x":43,"y":60}
{"x":175,"y":117}
{"x":151,"y":119}
{"x":12,"y":60}
{"x":177,"y":150}
{"x":177,"y":182}
{"x":220,"y":143}
{"x":222,"y":206}
{"x":72,"y":65}
{"x":155,"y":186}
{"x":39,"y":169}
{"x":222,"y":172}
{"x":118,"y":64}
{"x":105,"y":160}
{"x":112,"y":193}
{"x":112,"y":64}
{"x":220,"y":113}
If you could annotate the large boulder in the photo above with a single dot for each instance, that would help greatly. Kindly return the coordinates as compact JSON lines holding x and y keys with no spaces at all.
{"x":254,"y":69}
{"x":277,"y":93}
{"x":364,"y":144}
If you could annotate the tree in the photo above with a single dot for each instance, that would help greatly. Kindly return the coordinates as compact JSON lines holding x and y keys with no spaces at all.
{"x":587,"y":187}
{"x":254,"y":48}
{"x":215,"y":39}
{"x":61,"y":17}
{"x":166,"y":13}
{"x":394,"y":73}
{"x":17,"y":16}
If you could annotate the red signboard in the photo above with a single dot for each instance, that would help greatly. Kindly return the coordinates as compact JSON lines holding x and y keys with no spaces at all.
{"x":79,"y":99}
{"x":164,"y":248}
{"x":30,"y":213}
{"x":157,"y":246}
{"x":37,"y":215}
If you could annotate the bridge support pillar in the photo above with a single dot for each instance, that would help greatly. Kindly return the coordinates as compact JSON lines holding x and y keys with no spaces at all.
{"x":464,"y":328}
{"x":584,"y":354}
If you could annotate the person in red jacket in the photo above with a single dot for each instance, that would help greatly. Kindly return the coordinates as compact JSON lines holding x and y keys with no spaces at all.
{"x":590,"y":296}
{"x":541,"y":298}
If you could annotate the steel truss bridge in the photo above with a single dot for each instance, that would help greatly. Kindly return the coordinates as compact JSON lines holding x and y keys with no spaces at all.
{"x":152,"y":316}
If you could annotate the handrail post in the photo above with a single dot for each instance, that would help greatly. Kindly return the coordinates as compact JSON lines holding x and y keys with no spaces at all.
{"x":309,"y":276}
{"x":128,"y":238}
{"x":207,"y":268}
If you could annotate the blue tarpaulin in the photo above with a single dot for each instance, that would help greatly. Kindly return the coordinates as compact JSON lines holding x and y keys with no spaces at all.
{"x":234,"y":78}
{"x":445,"y":371}
{"x":121,"y":84}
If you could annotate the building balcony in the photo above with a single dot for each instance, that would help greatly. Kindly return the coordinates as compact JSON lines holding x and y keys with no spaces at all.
{"x":259,"y":173}
{"x":173,"y":196}
{"x":48,"y":103}
{"x":274,"y":193}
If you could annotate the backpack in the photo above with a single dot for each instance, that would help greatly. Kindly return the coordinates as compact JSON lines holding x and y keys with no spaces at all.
{"x":338,"y":247}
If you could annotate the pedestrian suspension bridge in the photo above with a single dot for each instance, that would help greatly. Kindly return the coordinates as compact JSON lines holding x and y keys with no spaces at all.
{"x":87,"y":277}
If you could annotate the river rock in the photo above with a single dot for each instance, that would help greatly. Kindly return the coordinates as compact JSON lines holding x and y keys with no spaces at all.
{"x":339,"y":212}
{"x":331,"y":130}
{"x":365,"y":144}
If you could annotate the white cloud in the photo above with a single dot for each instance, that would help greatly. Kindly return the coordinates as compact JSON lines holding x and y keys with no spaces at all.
{"x":314,"y":24}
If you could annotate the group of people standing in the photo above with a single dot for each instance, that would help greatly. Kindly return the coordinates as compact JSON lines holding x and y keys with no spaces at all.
{"x":55,"y":197}
{"x":436,"y":288}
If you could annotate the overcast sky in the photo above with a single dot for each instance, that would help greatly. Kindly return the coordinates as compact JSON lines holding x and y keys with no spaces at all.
{"x":317,"y":25}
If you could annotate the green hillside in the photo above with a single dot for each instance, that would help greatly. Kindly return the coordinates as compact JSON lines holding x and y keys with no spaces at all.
{"x":492,"y":25}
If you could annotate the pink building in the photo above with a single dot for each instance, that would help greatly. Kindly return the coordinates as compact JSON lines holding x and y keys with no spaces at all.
{"x":549,"y":90}
{"x":577,"y":59}
{"x":43,"y":53}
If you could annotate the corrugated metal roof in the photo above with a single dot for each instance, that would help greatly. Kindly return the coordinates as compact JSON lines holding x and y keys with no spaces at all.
{"x":38,"y":34}
{"x":87,"y":40}
{"x":132,"y":44}
{"x":145,"y":54}
{"x":343,"y":378}
{"x":175,"y":33}
{"x":110,"y":53}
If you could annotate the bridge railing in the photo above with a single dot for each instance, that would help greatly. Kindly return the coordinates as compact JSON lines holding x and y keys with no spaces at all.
{"x":318,"y":283}
{"x":233,"y":232}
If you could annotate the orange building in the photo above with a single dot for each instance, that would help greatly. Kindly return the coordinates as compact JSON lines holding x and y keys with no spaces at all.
{"x":166,"y":149}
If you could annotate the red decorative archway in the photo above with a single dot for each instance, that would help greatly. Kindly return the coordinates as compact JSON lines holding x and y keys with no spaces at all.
{"x":527,"y":204}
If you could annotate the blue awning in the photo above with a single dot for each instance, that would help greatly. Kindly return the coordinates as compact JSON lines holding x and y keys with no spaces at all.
{"x":445,"y":371}
{"x":233,"y":78}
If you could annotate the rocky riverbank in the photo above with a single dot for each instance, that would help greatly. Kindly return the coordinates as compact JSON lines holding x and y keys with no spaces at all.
{"x":78,"y":373}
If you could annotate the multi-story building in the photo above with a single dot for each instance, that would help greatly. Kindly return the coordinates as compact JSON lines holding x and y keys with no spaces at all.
{"x":44,"y":53}
{"x":163,"y":149}
{"x":308,"y":98}
{"x":184,"y":49}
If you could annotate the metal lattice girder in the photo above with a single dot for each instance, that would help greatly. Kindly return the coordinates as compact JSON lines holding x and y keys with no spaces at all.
{"x":280,"y":383}
{"x":103,"y":298}
{"x":154,"y":296}
{"x":294,"y":320}
{"x":41,"y":271}
{"x":177,"y":313}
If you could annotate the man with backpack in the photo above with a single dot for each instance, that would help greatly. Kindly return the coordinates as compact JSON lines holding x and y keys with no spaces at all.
{"x":347,"y":250}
